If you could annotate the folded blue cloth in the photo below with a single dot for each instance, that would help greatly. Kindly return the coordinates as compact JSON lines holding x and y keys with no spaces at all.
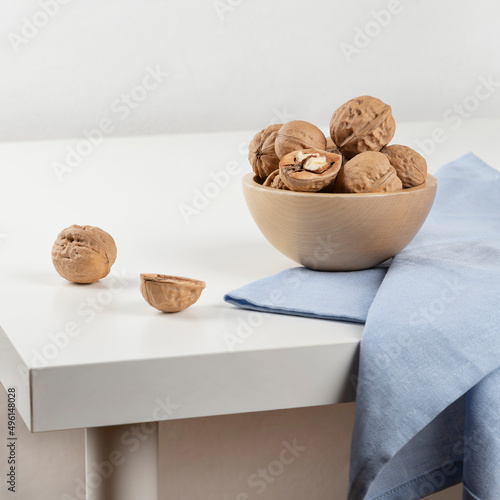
{"x":428,"y":400}
{"x":315,"y":294}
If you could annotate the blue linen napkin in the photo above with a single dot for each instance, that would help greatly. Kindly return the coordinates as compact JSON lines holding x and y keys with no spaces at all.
{"x":428,"y":396}
{"x":315,"y":294}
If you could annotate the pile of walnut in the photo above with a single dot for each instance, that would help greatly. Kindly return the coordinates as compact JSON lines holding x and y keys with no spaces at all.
{"x":355,"y":158}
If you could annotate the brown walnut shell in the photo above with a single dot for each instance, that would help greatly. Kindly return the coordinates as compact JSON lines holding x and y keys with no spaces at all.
{"x":368,"y":172}
{"x":261,"y":152}
{"x":298,"y":174}
{"x":410,"y":166}
{"x":331,"y":147}
{"x":274,"y":180}
{"x":296,"y":135}
{"x":170,"y":293}
{"x":362,"y":124}
{"x":83,"y":254}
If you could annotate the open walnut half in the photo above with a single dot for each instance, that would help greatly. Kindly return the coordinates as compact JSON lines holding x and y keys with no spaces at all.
{"x":170,"y":293}
{"x":309,"y":170}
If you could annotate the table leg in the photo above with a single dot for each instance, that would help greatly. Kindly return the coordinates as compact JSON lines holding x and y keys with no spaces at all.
{"x":122,"y":462}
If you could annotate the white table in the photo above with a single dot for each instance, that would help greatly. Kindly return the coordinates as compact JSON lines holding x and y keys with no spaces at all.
{"x":97,"y":356}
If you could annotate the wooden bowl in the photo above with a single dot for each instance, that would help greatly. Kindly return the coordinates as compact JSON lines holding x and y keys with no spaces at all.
{"x":339,"y":232}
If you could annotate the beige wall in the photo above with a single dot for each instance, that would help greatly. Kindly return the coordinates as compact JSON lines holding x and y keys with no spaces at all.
{"x":211,"y":458}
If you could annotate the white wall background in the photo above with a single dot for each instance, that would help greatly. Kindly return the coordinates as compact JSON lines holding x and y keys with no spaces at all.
{"x":235,"y":63}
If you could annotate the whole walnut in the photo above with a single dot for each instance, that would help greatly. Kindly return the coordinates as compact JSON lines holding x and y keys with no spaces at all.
{"x":410,"y":166}
{"x":261,"y":152}
{"x":362,"y":124}
{"x":368,"y":172}
{"x":83,"y":254}
{"x":297,"y":135}
{"x":274,"y":180}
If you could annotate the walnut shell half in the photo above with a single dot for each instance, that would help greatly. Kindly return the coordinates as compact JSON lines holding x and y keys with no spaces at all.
{"x":410,"y":166}
{"x":83,"y":254}
{"x":261,"y":152}
{"x":170,"y":293}
{"x":362,"y":124}
{"x":296,"y":135}
{"x":368,"y":172}
{"x":274,"y":180}
{"x":309,"y":170}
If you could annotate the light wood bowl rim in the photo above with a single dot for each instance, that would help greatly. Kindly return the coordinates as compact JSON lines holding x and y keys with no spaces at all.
{"x":249,"y":181}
